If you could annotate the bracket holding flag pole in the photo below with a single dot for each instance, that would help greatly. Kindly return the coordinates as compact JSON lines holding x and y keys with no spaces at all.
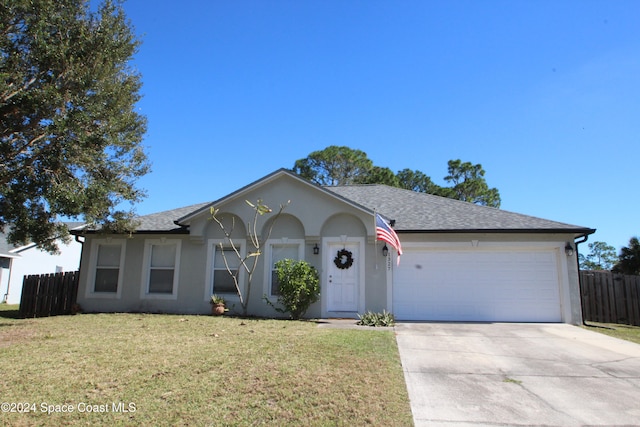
{"x":385,"y":233}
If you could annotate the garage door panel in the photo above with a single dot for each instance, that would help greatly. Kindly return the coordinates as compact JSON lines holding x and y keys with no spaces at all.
{"x":490,"y":285}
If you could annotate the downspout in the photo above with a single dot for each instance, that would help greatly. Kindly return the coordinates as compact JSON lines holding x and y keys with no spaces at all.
{"x":75,"y":297}
{"x":577,"y":242}
{"x":5,"y":298}
{"x":77,"y":239}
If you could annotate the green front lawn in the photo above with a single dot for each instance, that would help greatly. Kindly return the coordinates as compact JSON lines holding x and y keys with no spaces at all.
{"x":625,"y":332}
{"x":197,"y":370}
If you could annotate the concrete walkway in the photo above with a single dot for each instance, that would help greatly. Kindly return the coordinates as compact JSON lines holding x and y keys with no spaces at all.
{"x":474,"y":374}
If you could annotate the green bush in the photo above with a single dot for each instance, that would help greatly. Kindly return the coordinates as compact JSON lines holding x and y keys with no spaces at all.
{"x":376,"y":319}
{"x":299,"y":286}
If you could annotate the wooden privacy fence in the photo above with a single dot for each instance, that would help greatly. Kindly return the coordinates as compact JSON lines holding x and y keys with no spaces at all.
{"x":610,"y":298}
{"x":49,"y":294}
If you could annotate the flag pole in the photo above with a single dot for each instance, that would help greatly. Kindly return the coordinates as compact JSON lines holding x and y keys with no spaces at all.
{"x":375,"y":237}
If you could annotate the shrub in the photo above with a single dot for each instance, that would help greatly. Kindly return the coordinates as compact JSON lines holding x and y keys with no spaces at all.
{"x":376,"y":319}
{"x":299,"y":286}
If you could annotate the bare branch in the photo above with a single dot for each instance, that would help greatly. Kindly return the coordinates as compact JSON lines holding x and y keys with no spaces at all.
{"x":234,"y":276}
{"x":259,"y":209}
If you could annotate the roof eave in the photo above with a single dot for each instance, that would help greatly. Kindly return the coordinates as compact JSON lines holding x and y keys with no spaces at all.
{"x":172,"y":231}
{"x":10,"y":255}
{"x":579,"y":232}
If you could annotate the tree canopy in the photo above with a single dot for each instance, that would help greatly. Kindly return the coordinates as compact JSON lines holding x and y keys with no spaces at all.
{"x":343,"y":165}
{"x":601,"y":256}
{"x":69,"y":133}
{"x":469,"y":184}
{"x":417,"y":181}
{"x":629,"y":258}
{"x":334,"y":166}
{"x":380,"y":175}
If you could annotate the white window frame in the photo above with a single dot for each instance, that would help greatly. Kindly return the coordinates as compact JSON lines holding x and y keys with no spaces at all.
{"x":93,"y":262}
{"x":268,"y":263}
{"x":213,"y":245}
{"x":146,"y":268}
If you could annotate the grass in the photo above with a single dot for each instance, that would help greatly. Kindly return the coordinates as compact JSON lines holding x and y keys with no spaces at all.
{"x":198,"y":370}
{"x":625,"y":332}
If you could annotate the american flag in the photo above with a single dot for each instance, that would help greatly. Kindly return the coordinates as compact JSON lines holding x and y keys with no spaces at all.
{"x":386,"y":233}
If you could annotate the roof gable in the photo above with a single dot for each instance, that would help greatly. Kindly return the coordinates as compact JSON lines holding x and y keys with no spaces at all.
{"x":267,"y":180}
{"x":177,"y":220}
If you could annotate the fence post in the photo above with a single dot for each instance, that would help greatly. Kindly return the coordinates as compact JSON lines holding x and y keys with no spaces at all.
{"x":632,"y":286}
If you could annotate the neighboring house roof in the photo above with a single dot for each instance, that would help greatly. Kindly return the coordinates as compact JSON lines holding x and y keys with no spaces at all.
{"x":412,"y":211}
{"x":6,"y":249}
{"x":9,"y":250}
{"x":421,"y":212}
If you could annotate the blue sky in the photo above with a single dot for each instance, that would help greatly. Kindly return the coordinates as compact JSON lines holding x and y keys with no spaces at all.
{"x":544,"y":94}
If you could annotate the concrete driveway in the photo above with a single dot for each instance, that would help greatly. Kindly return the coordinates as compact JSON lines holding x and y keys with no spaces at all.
{"x":505,"y":374}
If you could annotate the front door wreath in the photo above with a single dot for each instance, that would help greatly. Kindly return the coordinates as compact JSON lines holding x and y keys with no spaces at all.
{"x":344,"y":259}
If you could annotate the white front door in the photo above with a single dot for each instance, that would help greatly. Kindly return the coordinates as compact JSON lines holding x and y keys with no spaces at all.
{"x":342,"y":283}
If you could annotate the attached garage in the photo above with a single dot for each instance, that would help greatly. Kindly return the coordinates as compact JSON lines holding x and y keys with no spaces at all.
{"x":465,"y":262}
{"x":478,"y":284}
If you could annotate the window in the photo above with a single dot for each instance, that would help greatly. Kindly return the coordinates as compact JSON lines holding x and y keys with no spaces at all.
{"x":107,"y":261}
{"x":222,"y":280}
{"x":108,"y":268}
{"x":161,"y":268}
{"x":219,"y":281}
{"x":280,"y":249}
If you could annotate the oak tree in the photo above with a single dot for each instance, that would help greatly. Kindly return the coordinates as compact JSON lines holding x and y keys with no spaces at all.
{"x":70,"y":136}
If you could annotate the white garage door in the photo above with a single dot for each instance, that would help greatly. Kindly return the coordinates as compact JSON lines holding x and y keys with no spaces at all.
{"x":477,"y":285}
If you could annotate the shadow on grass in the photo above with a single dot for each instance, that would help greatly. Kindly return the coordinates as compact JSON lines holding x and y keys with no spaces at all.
{"x":591,"y":325}
{"x":10,"y":311}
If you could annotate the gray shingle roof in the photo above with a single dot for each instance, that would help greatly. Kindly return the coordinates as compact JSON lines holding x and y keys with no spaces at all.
{"x":412,"y":211}
{"x":164,"y":221}
{"x":425,"y":212}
